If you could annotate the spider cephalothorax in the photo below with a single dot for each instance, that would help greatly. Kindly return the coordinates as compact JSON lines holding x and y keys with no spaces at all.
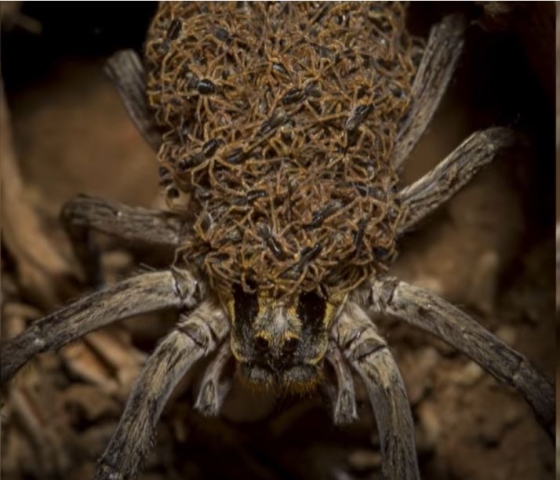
{"x":280,"y":130}
{"x":281,"y":343}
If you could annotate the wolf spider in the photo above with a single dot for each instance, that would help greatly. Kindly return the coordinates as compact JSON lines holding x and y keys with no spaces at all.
{"x":204,"y":325}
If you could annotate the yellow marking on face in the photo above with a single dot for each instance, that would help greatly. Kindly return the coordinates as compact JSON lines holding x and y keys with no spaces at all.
{"x":317,"y":358}
{"x":264,"y":334}
{"x":329,"y":314}
{"x":230,"y":305}
{"x":234,"y":351}
{"x":292,"y":310}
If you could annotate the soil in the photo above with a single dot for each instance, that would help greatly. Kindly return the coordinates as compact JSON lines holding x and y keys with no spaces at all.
{"x":490,"y":250}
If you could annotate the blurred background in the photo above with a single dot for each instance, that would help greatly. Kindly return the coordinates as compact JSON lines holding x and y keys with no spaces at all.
{"x":490,"y":250}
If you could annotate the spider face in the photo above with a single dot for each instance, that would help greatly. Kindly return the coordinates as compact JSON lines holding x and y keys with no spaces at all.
{"x":280,"y":344}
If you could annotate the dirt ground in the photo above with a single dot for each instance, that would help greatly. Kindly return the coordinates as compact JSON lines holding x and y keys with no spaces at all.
{"x":490,"y":251}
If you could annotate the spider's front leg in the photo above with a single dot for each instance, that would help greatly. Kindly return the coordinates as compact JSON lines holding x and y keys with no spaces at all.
{"x":144,"y":293}
{"x":429,"y":312}
{"x":194,"y":337}
{"x":369,"y":355}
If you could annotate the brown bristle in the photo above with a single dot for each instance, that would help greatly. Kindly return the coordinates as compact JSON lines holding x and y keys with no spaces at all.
{"x":300,"y":102}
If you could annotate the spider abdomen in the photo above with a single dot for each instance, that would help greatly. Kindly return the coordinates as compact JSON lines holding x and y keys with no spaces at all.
{"x":279,"y":120}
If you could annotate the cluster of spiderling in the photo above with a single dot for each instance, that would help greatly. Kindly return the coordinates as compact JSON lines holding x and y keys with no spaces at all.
{"x":279,"y":120}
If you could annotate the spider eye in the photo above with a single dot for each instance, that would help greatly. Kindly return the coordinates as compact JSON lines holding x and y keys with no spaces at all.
{"x":291,"y":345}
{"x":262,"y":344}
{"x":246,"y":305}
{"x":311,"y":307}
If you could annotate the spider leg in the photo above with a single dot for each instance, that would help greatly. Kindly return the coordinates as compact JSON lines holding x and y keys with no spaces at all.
{"x":136,"y":295}
{"x":213,"y":390}
{"x":196,"y":336}
{"x":428,"y":311}
{"x":125,"y":69}
{"x":439,"y":185}
{"x":137,"y":225}
{"x":369,"y":355}
{"x":345,"y":410}
{"x":443,"y":49}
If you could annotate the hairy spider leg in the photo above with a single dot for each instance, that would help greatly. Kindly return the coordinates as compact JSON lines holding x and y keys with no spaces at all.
{"x":453,"y":173}
{"x":140,"y":294}
{"x":133,"y":225}
{"x":126,"y":71}
{"x":437,"y":66}
{"x":213,"y":389}
{"x":428,"y":311}
{"x":369,"y":355}
{"x":195,"y":336}
{"x":345,"y":410}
